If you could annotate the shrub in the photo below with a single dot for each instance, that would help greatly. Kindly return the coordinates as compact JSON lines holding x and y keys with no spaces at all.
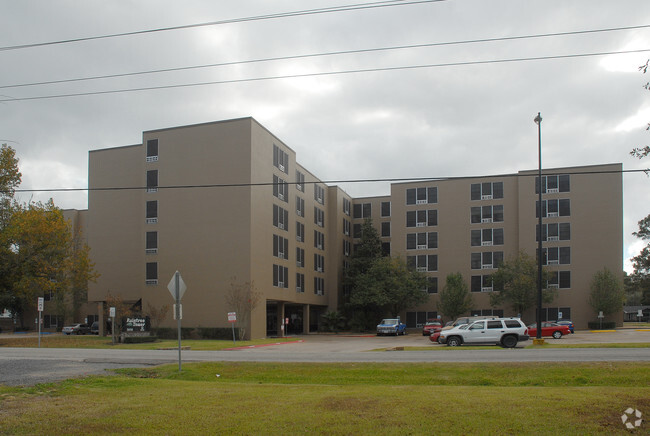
{"x":595,"y":325}
{"x":139,"y":339}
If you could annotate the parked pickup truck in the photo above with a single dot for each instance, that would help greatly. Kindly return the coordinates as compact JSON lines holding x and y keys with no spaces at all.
{"x":391,"y":326}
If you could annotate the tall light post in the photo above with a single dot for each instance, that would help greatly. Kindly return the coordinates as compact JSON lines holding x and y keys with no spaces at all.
{"x":538,"y":121}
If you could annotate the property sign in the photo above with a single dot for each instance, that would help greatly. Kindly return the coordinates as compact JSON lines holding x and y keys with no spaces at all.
{"x":232,"y":316}
{"x":135,"y":324}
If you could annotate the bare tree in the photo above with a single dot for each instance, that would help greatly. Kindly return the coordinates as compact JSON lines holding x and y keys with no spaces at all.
{"x":243,"y":298}
{"x":156,"y":314}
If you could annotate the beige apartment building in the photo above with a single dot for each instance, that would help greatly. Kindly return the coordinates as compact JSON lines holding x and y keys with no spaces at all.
{"x":227,"y":203}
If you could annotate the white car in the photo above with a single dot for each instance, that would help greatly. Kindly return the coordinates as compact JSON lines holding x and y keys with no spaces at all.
{"x":506,"y":332}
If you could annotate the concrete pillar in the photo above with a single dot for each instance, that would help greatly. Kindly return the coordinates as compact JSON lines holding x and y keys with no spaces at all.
{"x":281,"y":332}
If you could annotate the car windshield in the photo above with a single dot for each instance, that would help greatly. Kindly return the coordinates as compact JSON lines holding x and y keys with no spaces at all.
{"x":389,"y":321}
{"x":463,"y":327}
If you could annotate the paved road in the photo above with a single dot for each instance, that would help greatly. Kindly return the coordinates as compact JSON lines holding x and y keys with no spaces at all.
{"x":28,"y":366}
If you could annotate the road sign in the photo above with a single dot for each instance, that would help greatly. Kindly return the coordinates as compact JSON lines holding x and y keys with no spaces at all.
{"x":111,"y":312}
{"x":40,"y":303}
{"x":232,"y":316}
{"x":181,"y":286}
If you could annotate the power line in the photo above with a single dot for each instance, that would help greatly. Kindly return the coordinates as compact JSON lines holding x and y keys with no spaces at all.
{"x":334,"y":53}
{"x":344,"y":8}
{"x":330,"y":182}
{"x":326,"y":73}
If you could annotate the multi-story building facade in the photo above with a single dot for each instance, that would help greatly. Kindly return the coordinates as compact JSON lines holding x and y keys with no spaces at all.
{"x":227,"y":203}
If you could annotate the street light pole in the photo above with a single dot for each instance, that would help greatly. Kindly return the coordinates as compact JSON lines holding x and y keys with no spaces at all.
{"x":538,"y":121}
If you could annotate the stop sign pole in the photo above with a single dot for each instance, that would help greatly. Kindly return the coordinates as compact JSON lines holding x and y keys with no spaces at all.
{"x":177,"y":288}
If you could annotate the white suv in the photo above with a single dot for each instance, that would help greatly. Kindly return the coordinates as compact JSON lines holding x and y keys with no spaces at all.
{"x":501,"y":331}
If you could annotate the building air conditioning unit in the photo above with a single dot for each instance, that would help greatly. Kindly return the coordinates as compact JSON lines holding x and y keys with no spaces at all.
{"x":319,"y":246}
{"x":486,"y":243}
{"x":553,"y":238}
{"x":280,"y":284}
{"x":552,"y":214}
{"x":346,"y":233}
{"x":553,"y":286}
{"x":421,"y":202}
{"x":152,"y":220}
{"x":486,"y":197}
{"x":152,"y":282}
{"x":486,"y":266}
{"x":281,"y":196}
{"x":553,"y":262}
{"x":319,"y":292}
{"x":422,"y":247}
{"x":320,"y":224}
{"x":152,"y":158}
{"x":151,"y":251}
{"x":420,"y":225}
{"x":152,"y":189}
{"x":486,"y":220}
{"x":486,"y":289}
{"x":281,"y":167}
{"x":319,"y":269}
{"x":552,"y":191}
{"x":281,"y":226}
{"x":298,"y":289}
{"x":422,"y":269}
{"x":281,"y":255}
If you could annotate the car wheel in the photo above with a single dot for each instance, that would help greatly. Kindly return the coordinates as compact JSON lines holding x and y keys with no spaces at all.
{"x":509,"y":341}
{"x":557,"y":334}
{"x":453,"y":342}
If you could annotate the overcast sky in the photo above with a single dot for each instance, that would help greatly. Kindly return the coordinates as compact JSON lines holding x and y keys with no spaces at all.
{"x":471,"y":118}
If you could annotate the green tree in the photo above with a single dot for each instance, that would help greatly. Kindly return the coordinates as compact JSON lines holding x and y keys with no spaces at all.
{"x":380,"y":285}
{"x":607,"y":294}
{"x":641,"y":152}
{"x":455,"y":297}
{"x":10,"y":178}
{"x":515,"y":283}
{"x":333,"y":321}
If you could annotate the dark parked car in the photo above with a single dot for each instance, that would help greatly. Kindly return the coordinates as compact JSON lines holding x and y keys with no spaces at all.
{"x":76,"y":329}
{"x":94,"y":328}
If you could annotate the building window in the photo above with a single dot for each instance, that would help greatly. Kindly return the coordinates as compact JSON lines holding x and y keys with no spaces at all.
{"x":423,"y":263}
{"x":385,"y":208}
{"x":280,"y":247}
{"x":385,"y":249}
{"x":152,"y":212}
{"x":556,"y":313}
{"x":151,"y":273}
{"x":421,"y":218}
{"x":486,"y":260}
{"x":559,"y":279}
{"x":553,"y":184}
{"x":319,"y":194}
{"x":356,"y":230}
{"x":319,"y":217}
{"x":422,"y":195}
{"x":300,"y":206}
{"x":346,"y":227}
{"x":481,"y":283}
{"x":300,"y":232}
{"x":486,"y":191}
{"x":362,"y":210}
{"x":556,"y":256}
{"x":280,"y":218}
{"x":346,"y":247}
{"x":280,"y":188}
{"x":300,"y":181}
{"x":319,"y":263}
{"x":489,"y":312}
{"x":432,"y":287}
{"x":486,"y":237}
{"x":385,"y":229}
{"x":418,"y":319}
{"x":300,"y":282}
{"x":319,"y":240}
{"x":151,"y":243}
{"x":280,"y":159}
{"x":319,"y":286}
{"x":554,"y":208}
{"x":280,"y":276}
{"x":300,"y":257}
{"x":52,"y":321}
{"x":152,"y":181}
{"x":152,"y":150}
{"x":487,"y":214}
{"x":346,"y":206}
{"x":554,"y":232}
{"x":421,"y":241}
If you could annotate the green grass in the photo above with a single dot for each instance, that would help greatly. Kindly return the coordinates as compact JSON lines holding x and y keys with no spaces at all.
{"x":59,"y":341}
{"x":347,"y":398}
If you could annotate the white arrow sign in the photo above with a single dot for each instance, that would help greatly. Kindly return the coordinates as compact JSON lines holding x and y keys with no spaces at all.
{"x":181,"y":286}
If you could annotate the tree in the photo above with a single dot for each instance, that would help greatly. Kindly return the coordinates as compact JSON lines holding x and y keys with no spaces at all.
{"x":243,"y":299}
{"x":122,"y":310}
{"x":515,"y":283}
{"x":640,"y":278}
{"x":455,"y":297}
{"x":641,"y":152}
{"x":156,"y":314}
{"x":333,"y":321}
{"x":380,"y":285}
{"x":607,"y":293}
{"x":10,"y":179}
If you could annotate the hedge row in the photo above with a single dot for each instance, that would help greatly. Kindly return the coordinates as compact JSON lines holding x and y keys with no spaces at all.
{"x":596,"y":325}
{"x":195,"y":333}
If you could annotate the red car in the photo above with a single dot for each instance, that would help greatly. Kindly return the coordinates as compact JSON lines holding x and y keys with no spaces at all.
{"x":549,"y":329}
{"x":434,"y":336}
{"x":431,"y":326}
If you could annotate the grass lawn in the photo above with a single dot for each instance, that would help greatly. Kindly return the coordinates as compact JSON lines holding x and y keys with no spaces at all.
{"x":337,"y":399}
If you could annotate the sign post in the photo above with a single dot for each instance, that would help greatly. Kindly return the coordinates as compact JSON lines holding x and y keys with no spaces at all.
{"x":600,"y":317}
{"x":177,"y":288}
{"x":232,"y":317}
{"x":111,"y":313}
{"x":40,"y":313}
